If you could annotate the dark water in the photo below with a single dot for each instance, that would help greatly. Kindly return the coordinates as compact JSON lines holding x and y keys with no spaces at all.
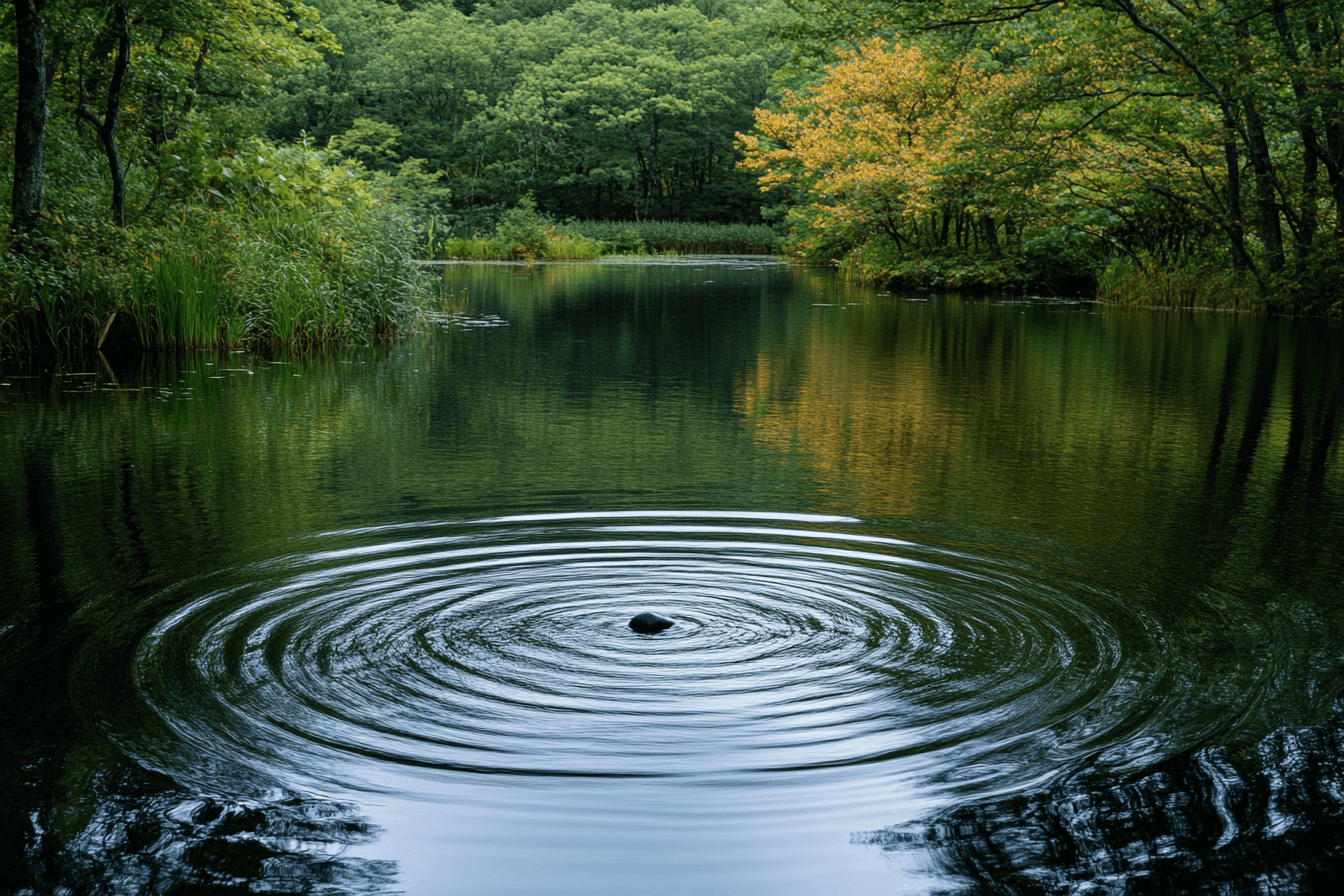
{"x":1034,"y":593}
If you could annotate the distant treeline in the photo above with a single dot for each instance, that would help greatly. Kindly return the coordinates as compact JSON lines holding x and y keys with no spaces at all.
{"x":617,"y":110}
{"x":295,"y":155}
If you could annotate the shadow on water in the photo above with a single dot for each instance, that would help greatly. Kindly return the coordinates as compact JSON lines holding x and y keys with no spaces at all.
{"x":1196,"y":823}
{"x":76,"y":819}
{"x":136,"y":832}
{"x":1225,"y":819}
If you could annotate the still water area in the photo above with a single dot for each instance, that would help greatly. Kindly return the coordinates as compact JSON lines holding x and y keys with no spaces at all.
{"x":1023,"y":594}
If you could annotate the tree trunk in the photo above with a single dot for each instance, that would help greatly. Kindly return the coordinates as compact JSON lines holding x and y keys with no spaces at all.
{"x":1236,"y":232}
{"x":1266,"y":202}
{"x":1331,"y":149}
{"x":107,"y":128}
{"x":1305,"y":231}
{"x":31,"y":121}
{"x":989,"y":232}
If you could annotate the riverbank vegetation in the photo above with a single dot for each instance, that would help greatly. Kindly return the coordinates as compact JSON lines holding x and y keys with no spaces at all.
{"x":1132,"y":144}
{"x":681,"y":237}
{"x":525,"y":235}
{"x":145,"y":209}
{"x":204,"y":173}
{"x":201,"y":172}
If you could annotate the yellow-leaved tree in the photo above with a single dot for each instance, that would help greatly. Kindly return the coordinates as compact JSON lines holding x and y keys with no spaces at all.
{"x":897,"y":140}
{"x":918,"y":164}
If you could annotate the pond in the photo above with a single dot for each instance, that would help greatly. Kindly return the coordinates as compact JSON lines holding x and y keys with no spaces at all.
{"x":1026,"y":590}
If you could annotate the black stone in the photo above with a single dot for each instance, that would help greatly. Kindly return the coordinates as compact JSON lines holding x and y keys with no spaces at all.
{"x":650,"y":623}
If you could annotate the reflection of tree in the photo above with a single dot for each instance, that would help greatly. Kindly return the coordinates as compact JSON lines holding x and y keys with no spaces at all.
{"x":74,"y":821}
{"x":140,"y":834}
{"x":1192,"y":824}
{"x":876,"y":421}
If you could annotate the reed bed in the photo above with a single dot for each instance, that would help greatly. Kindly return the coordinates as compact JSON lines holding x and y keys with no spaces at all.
{"x":1125,"y":282}
{"x":559,"y":247}
{"x":287,"y":282}
{"x":680,"y":237}
{"x":177,"y":303}
{"x":290,"y":249}
{"x":586,"y":240}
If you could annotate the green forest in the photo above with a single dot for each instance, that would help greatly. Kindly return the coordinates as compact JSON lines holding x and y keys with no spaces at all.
{"x":209,"y":172}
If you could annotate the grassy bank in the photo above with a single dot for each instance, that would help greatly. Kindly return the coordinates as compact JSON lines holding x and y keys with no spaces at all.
{"x":555,"y":247}
{"x":281,"y":246}
{"x":1038,"y":261}
{"x":680,"y":237}
{"x":1042,"y":262}
{"x":1192,"y":285}
{"x":526,"y":235}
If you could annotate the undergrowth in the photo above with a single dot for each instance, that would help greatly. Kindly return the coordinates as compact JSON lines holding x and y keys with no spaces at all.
{"x":1188,"y":285}
{"x":282,"y":245}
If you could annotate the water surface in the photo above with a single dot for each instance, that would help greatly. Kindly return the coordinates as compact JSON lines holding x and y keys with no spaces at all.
{"x":359,"y":620}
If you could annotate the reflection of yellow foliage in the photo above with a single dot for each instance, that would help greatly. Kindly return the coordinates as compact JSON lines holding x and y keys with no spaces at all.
{"x":877,"y":431}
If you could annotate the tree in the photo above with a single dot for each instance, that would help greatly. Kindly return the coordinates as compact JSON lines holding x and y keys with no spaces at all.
{"x":1259,"y":79}
{"x":143,"y":65}
{"x":31,"y":120}
{"x":599,"y":109}
{"x":106,"y":127}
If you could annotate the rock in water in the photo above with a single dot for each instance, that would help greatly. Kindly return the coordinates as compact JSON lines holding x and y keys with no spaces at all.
{"x":650,"y":623}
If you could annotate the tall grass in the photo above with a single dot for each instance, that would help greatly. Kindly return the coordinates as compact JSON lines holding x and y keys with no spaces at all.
{"x":556,"y":247}
{"x":178,"y":303}
{"x":568,"y":247}
{"x":288,"y":246}
{"x":46,"y":309}
{"x":473,"y":249}
{"x":679,"y":237}
{"x":585,"y":240}
{"x":1125,"y":282}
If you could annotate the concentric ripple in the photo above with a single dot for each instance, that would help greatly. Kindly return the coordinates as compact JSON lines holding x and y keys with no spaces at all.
{"x":502,"y":646}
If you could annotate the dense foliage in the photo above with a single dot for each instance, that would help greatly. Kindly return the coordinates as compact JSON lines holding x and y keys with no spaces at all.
{"x":203,"y":171}
{"x":608,"y":110}
{"x":1030,"y":140}
{"x":197,"y":172}
{"x":156,"y":215}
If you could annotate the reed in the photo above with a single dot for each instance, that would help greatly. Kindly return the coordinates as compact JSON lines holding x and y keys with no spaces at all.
{"x":566,"y":247}
{"x":586,"y":240}
{"x":177,"y":302}
{"x":1125,"y":282}
{"x":679,"y":237}
{"x":291,"y":248}
{"x":557,"y":247}
{"x":474,"y":249}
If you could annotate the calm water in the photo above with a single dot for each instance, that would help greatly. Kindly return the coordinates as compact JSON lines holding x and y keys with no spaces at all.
{"x":358,"y":621}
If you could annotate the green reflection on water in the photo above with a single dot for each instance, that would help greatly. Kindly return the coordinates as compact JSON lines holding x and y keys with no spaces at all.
{"x":1185,"y":464}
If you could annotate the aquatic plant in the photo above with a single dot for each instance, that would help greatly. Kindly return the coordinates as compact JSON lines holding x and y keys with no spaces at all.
{"x":177,"y":302}
{"x":580,"y":240}
{"x":1191,"y":285}
{"x":679,"y":237}
{"x":263,"y":243}
{"x":565,"y":247}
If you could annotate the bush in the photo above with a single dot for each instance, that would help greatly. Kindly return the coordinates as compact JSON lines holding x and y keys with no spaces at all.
{"x":523,"y":230}
{"x":266,"y":243}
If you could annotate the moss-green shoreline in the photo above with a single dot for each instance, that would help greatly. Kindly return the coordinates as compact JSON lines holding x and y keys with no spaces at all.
{"x":526,"y":237}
